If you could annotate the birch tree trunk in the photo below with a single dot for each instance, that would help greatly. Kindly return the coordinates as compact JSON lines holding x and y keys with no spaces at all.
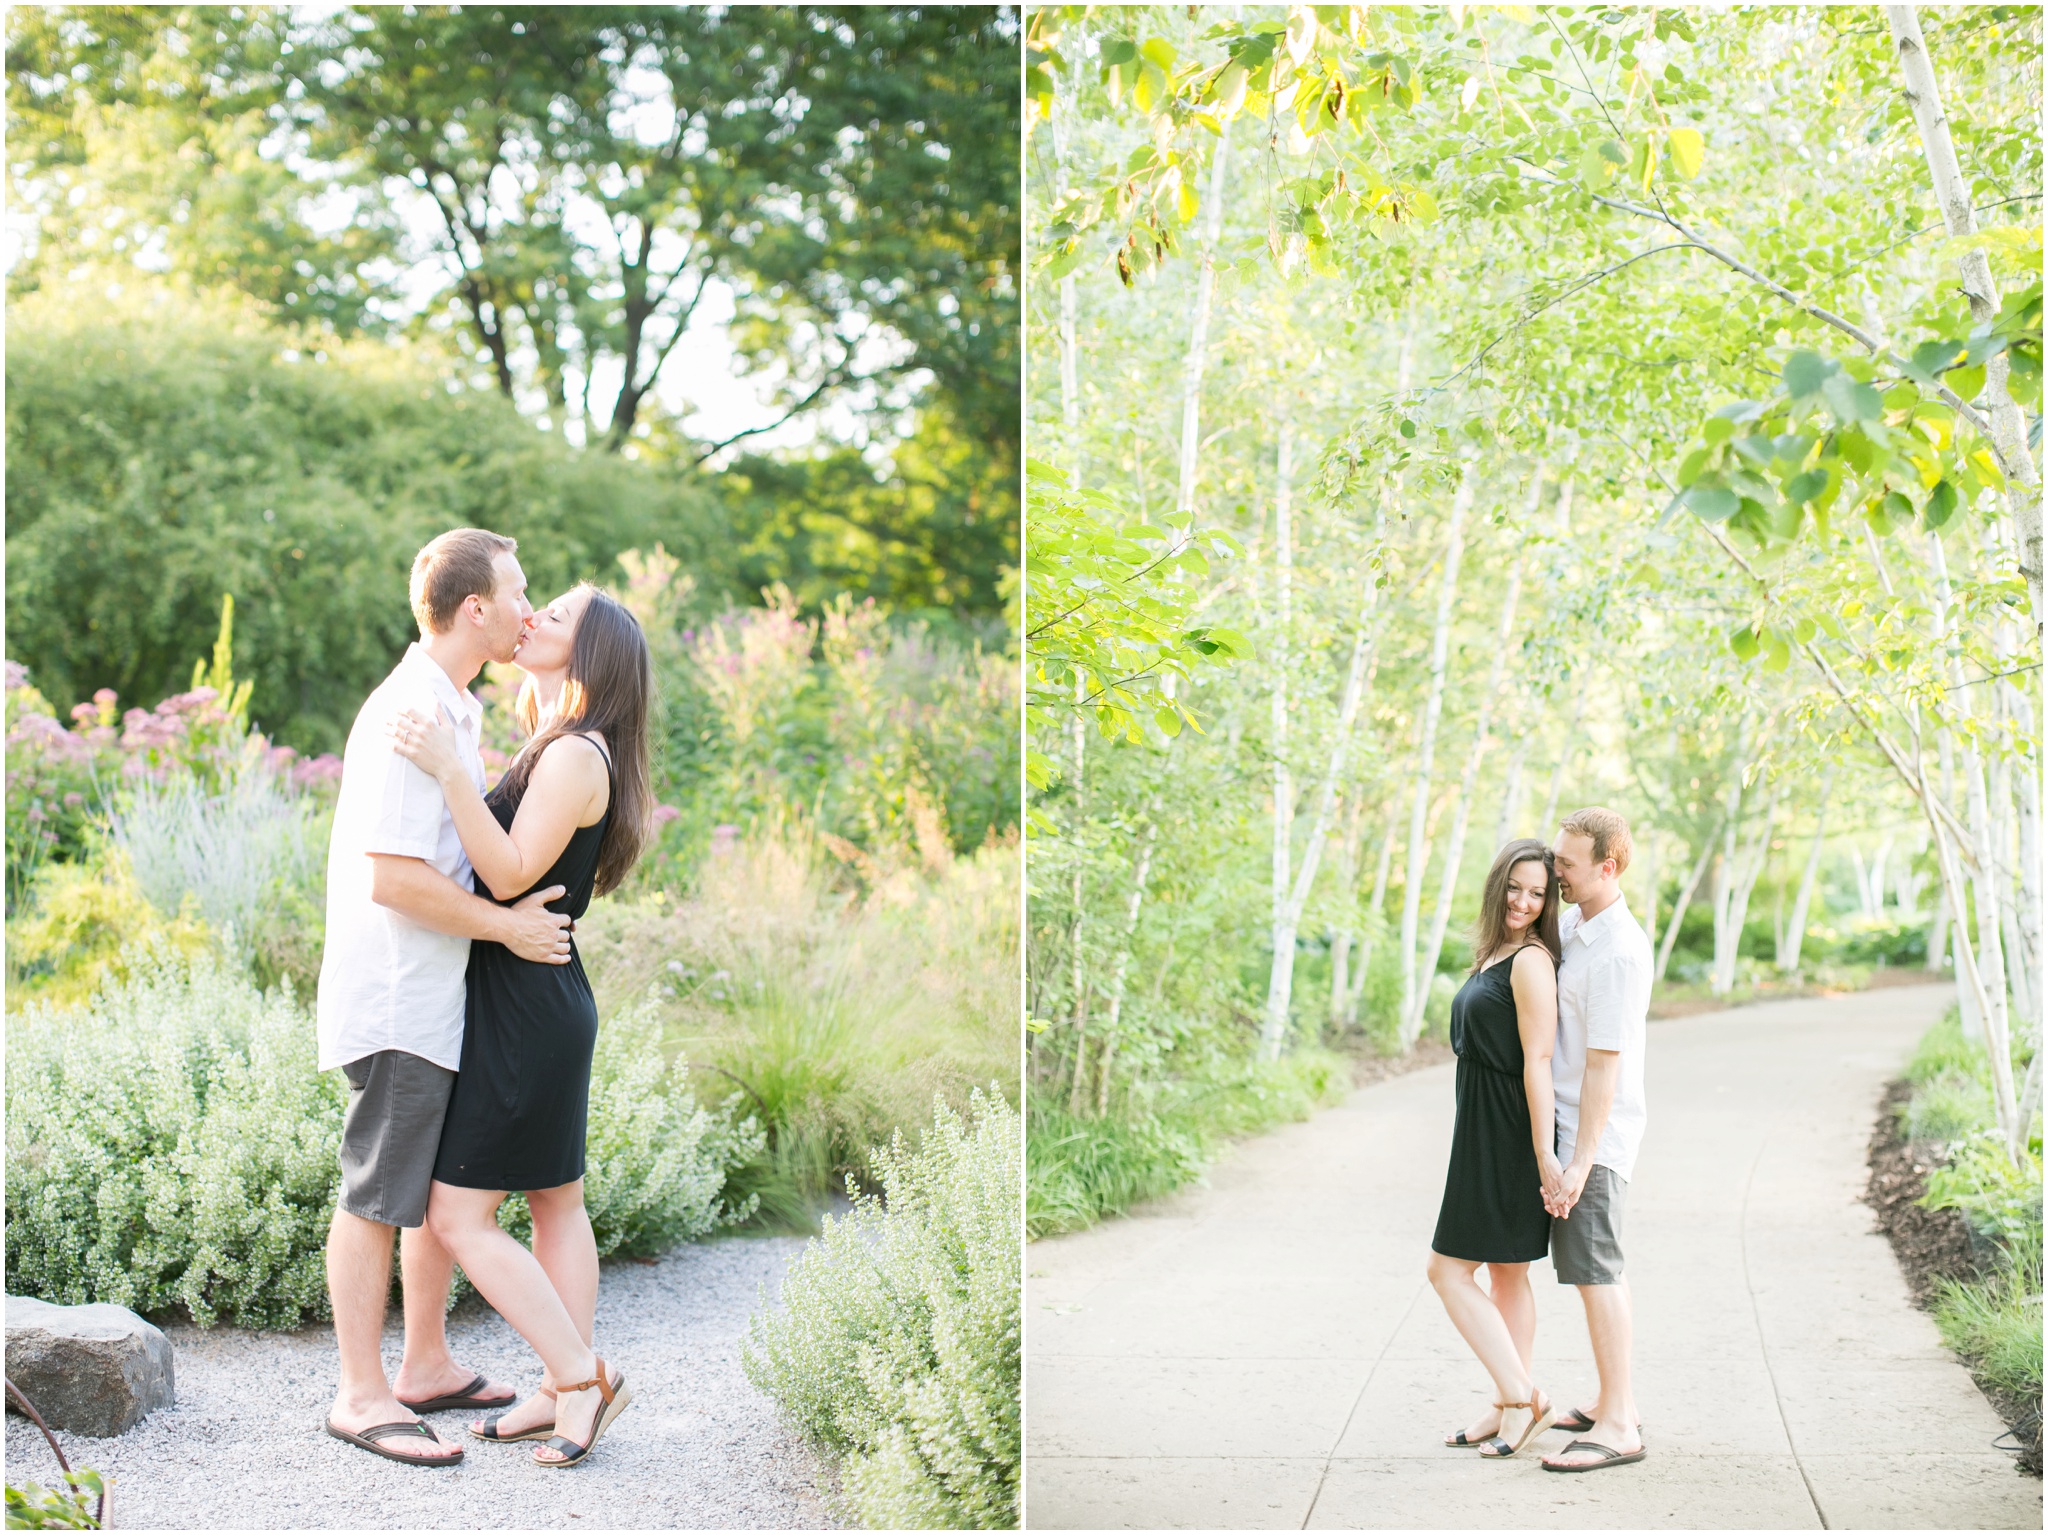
{"x":1114,"y":1016}
{"x":1416,"y":869}
{"x":1280,"y":986}
{"x":1454,"y":848}
{"x":1372,"y":916}
{"x":1731,"y":914}
{"x":1511,"y":796}
{"x":1795,"y":931}
{"x":1679,"y":908}
{"x":1198,"y":335}
{"x":1077,"y":728}
{"x":1283,"y":786}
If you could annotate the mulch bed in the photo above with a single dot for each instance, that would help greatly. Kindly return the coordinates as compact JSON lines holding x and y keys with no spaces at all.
{"x":1932,"y":1245}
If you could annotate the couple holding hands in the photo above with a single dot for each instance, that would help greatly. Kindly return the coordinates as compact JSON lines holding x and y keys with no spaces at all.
{"x":1549,"y":1031}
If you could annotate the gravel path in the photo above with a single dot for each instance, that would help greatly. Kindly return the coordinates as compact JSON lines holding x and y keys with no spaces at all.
{"x":700,"y":1448}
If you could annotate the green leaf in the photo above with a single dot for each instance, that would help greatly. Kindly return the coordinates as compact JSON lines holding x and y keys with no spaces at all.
{"x":1688,"y":151}
{"x":1167,"y":720}
{"x":1850,"y":400}
{"x":1806,"y":372}
{"x":1777,"y":650}
{"x":1743,"y":642}
{"x":1941,"y":504}
{"x":1802,"y":488}
{"x":1717,"y":430}
{"x":1712,"y":503}
{"x":1612,"y":152}
{"x":1695,"y":461}
{"x":1594,"y":171}
{"x":1966,"y":382}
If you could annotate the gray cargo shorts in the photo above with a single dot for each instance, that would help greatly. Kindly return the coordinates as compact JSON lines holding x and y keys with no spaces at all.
{"x":390,"y":1133}
{"x":1585,"y":1247}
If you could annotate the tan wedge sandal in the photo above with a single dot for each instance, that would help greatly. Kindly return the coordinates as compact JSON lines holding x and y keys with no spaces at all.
{"x":616,"y":1399}
{"x":1498,"y":1447}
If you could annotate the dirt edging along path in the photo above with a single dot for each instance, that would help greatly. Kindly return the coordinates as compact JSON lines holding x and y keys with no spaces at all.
{"x":1932,"y":1245}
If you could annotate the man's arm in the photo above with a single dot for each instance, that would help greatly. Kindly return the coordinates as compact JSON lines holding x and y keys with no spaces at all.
{"x":411,"y":888}
{"x":1596,"y":1101}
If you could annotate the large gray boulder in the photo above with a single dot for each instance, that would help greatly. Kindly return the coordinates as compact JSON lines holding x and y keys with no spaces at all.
{"x":90,"y":1369}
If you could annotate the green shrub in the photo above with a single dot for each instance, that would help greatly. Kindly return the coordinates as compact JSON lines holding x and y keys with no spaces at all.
{"x":173,"y":1144}
{"x":897,"y":1344}
{"x":1081,"y":1170}
{"x":33,"y":1506}
{"x":1998,"y":1199}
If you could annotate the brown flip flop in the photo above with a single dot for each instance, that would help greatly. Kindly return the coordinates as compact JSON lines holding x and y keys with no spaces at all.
{"x":1606,"y":1456}
{"x":466,"y":1397}
{"x":366,"y":1440}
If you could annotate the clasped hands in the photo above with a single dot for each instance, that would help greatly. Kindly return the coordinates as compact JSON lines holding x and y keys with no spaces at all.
{"x":1562,"y":1185}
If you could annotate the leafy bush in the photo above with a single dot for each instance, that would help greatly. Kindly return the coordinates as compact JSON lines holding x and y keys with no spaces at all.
{"x":79,"y":923}
{"x":172,"y":1144}
{"x":33,"y":1506}
{"x":898,"y":1342}
{"x":167,"y":447}
{"x":869,"y":731}
{"x":1998,"y":1199}
{"x":1081,"y":1170}
{"x":249,"y":856}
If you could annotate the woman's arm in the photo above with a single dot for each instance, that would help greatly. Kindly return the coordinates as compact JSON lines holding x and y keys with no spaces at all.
{"x":568,"y":782}
{"x":1534,"y":978}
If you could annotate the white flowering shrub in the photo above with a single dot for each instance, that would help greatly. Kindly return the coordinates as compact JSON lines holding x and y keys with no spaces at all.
{"x":172,"y":1143}
{"x":897,"y":1343}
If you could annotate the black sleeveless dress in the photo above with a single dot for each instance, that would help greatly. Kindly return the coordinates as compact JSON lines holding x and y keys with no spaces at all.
{"x":521,"y":1103}
{"x":1493,"y":1195}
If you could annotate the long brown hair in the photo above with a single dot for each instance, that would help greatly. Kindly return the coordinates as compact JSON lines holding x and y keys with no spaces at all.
{"x":1490,"y":932}
{"x":608,"y":689}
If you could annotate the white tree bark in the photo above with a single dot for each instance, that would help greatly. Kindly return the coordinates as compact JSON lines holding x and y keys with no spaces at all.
{"x":1741,"y":867}
{"x":1682,"y":904}
{"x":1547,"y":827}
{"x":1952,"y":192}
{"x":1141,"y":870}
{"x":1511,"y":795}
{"x":1198,"y":332}
{"x":1454,"y":847}
{"x":1283,"y":785}
{"x":1414,"y":984}
{"x":1280,"y":985}
{"x":1795,"y":930}
{"x":1388,"y":834}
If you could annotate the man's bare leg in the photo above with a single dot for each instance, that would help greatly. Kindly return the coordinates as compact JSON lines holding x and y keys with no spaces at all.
{"x":1610,"y":1324}
{"x":358,"y":1279}
{"x":427,"y":1370}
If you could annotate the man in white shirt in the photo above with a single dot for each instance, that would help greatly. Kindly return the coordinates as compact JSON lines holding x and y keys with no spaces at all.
{"x":1603,"y":1003}
{"x":400,"y":917}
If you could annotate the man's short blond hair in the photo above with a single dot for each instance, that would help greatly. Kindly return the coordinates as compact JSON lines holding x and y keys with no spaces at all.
{"x":1608,"y":830}
{"x":460,"y":564}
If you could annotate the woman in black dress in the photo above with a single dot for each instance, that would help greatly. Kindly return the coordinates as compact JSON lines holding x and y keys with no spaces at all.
{"x":1503,"y":1027}
{"x":573,"y":810}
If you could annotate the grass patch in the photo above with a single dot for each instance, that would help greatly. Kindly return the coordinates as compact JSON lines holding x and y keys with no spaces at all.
{"x":831,"y":1004}
{"x":1995,"y":1324}
{"x":1079,"y":1171}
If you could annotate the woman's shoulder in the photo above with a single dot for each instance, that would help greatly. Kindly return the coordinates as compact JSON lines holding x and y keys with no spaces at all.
{"x":1535,"y":960}
{"x":572,"y":753}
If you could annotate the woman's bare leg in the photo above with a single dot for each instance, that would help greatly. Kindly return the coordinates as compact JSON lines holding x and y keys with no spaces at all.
{"x":1485,"y":1331}
{"x":566,"y":1250}
{"x":518,"y":1288}
{"x":1508,"y":1284}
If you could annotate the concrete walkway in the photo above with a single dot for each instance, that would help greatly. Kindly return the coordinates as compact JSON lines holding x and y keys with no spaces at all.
{"x":1265,"y":1354}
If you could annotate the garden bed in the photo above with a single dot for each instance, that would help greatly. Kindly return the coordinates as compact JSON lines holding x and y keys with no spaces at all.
{"x":1933,"y":1245}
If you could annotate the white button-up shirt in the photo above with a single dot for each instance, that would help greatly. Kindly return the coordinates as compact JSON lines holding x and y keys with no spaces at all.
{"x":387,"y":983}
{"x":1603,"y":1003}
